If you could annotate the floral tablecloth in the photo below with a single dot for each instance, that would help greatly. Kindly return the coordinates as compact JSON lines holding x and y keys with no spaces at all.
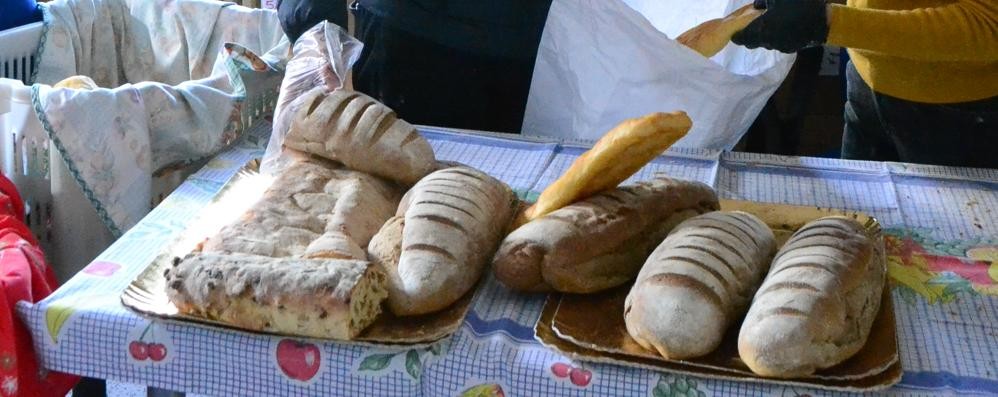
{"x":942,"y":238}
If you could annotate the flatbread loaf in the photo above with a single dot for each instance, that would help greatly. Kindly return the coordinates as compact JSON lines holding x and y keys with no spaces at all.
{"x":325,"y":298}
{"x":313,"y":209}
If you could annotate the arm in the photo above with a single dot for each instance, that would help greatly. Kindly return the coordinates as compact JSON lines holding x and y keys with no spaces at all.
{"x":966,"y":30}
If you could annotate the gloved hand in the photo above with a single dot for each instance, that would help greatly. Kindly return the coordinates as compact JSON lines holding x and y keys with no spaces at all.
{"x":297,"y":16}
{"x":786,"y":26}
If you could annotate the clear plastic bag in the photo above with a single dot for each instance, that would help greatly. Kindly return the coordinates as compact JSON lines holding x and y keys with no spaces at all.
{"x":322,"y":57}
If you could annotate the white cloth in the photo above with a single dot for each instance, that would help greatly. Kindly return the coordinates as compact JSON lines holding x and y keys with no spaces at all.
{"x":176,"y":77}
{"x":603,"y":61}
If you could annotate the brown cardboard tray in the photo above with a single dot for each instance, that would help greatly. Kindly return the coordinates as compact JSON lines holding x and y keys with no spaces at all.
{"x":567,"y":324}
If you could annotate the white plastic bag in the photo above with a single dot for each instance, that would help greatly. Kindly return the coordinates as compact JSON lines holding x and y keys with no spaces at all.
{"x":603,"y":61}
{"x":322,"y":57}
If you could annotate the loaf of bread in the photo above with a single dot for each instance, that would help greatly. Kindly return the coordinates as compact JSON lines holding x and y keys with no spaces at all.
{"x":313,"y":209}
{"x":310,"y":297}
{"x":697,"y":283}
{"x":445,"y":231}
{"x":358,"y":131}
{"x":600,"y":242}
{"x":817,"y":304}
{"x":710,"y":37}
{"x":614,"y":158}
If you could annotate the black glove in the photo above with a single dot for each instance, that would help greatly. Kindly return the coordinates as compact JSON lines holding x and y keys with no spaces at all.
{"x":297,"y":16}
{"x":786,"y":26}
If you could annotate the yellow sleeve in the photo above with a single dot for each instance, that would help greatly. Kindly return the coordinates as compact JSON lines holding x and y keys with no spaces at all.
{"x":965,"y":30}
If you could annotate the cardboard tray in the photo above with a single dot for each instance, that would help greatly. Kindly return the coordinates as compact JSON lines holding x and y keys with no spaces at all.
{"x":567,"y":324}
{"x":146,"y":295}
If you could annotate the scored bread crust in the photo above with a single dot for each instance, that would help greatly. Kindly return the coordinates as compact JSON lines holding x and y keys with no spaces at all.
{"x":326,"y":298}
{"x":360,"y":132}
{"x":312,"y":209}
{"x":437,"y":246}
{"x":817,"y":304}
{"x":697,"y":283}
{"x":600,"y":242}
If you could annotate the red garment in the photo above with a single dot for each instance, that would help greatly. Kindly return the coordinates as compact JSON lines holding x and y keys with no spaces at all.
{"x":24,"y":275}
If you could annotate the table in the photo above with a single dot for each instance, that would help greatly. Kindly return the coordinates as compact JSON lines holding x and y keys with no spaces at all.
{"x":942,"y":239}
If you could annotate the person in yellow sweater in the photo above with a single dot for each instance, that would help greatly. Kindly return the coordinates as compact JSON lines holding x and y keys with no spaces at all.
{"x":923,"y":76}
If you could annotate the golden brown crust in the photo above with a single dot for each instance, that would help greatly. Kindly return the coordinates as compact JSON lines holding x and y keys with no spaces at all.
{"x":599,"y":242}
{"x":615,"y":157}
{"x":712,"y":36}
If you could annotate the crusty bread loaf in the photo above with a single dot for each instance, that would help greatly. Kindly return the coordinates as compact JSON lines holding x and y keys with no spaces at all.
{"x":817,"y":304}
{"x":600,"y":242}
{"x":697,"y":282}
{"x":445,"y":231}
{"x":308,"y":297}
{"x":312,"y":209}
{"x":361,"y":133}
{"x":614,"y":158}
{"x":710,"y":37}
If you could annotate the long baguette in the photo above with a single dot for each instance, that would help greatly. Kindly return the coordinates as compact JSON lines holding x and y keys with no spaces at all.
{"x":319,"y":298}
{"x":818,"y":302}
{"x":710,"y":37}
{"x":436,"y":247}
{"x":697,"y":282}
{"x":614,"y":158}
{"x":600,"y":242}
{"x":363,"y":134}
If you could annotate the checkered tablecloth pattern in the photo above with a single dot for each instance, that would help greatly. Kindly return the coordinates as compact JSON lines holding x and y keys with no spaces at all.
{"x":945,"y":221}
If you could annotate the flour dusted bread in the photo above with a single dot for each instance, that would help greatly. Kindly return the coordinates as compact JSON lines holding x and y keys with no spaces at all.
{"x":614,"y":158}
{"x":697,"y":282}
{"x":817,"y":304}
{"x":445,"y":231}
{"x":599,"y":242}
{"x":712,"y":36}
{"x":315,"y":209}
{"x":360,"y":132}
{"x":324,"y":298}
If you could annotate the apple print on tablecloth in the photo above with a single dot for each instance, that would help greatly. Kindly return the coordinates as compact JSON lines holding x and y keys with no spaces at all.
{"x":577,"y":375}
{"x":297,"y":360}
{"x":101,"y":268}
{"x":149,"y":344}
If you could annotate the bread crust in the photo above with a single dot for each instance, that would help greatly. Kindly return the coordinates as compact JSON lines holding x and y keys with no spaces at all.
{"x":614,"y":158}
{"x":818,"y":302}
{"x":360,"y":132}
{"x":697,"y":283}
{"x":318,"y":298}
{"x":313,"y":209}
{"x":600,"y":242}
{"x":437,"y":246}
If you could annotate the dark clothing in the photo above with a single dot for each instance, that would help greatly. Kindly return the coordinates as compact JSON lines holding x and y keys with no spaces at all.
{"x":452,"y":63}
{"x":298,"y":16}
{"x":883,"y":128}
{"x":14,"y":13}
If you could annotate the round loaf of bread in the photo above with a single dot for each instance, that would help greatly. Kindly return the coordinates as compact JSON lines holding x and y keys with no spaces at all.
{"x":818,"y":302}
{"x":697,"y":282}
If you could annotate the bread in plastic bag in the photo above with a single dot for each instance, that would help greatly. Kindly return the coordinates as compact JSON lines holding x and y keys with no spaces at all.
{"x":322,"y":57}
